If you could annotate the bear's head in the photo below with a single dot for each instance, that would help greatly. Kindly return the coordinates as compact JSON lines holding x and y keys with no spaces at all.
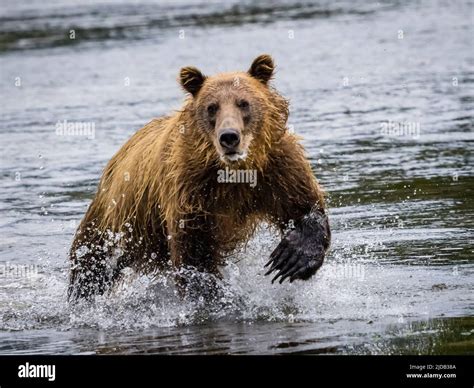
{"x":237,"y":114}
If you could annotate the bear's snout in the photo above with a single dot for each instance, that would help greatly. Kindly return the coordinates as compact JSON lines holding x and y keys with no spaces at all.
{"x":229,"y":139}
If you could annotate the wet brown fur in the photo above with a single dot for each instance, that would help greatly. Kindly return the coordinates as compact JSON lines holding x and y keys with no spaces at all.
{"x":161,"y":191}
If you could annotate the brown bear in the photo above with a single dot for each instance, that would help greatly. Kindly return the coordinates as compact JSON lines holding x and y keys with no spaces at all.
{"x":187,"y":189}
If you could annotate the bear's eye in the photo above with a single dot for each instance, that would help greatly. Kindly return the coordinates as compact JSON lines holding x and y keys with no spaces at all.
{"x":212,"y":109}
{"x":243,"y":104}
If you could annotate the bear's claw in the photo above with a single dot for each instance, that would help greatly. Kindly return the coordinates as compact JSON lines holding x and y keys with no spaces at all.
{"x":295,"y":263}
{"x":300,"y":253}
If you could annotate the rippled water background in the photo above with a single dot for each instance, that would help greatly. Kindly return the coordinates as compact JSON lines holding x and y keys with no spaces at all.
{"x":400,"y":274}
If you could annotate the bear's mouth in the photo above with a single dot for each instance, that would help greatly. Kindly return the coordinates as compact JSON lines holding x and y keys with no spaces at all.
{"x":234,"y":156}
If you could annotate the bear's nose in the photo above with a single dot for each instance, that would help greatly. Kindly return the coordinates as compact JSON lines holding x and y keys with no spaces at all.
{"x":229,"y":139}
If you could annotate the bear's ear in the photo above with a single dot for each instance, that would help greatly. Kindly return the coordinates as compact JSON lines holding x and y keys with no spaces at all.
{"x":191,"y":79}
{"x":262,"y":68}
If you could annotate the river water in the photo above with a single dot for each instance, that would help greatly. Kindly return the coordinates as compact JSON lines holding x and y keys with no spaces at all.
{"x":382,"y":94}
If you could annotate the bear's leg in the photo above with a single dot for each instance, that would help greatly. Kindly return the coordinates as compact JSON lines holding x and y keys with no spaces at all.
{"x":92,"y":270}
{"x":90,"y":276}
{"x":301,"y":252}
{"x":195,"y":255}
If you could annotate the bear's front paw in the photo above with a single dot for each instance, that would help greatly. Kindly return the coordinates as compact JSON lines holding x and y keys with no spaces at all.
{"x":298,"y":256}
